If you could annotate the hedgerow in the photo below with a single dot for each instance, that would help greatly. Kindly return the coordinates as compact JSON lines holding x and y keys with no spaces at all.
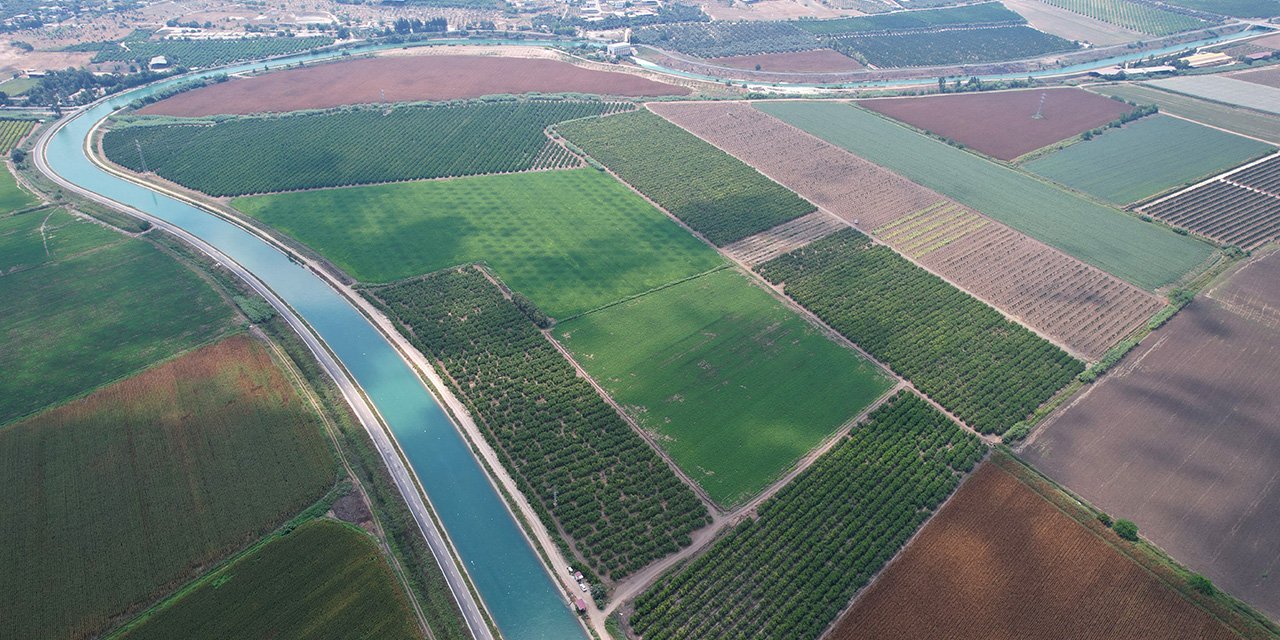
{"x":343,"y":147}
{"x":713,"y":192}
{"x":585,"y":470}
{"x":988,"y":371}
{"x":789,"y":571}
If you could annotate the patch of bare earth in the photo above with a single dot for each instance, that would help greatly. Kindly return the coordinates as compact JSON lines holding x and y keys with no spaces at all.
{"x":999,"y":561}
{"x":402,"y":79}
{"x":1183,"y":437}
{"x":1269,"y":77}
{"x":1074,"y":303}
{"x":817,"y":60}
{"x":1002,"y":124}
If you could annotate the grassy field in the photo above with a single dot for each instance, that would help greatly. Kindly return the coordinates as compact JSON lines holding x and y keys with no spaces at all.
{"x":716,"y":194}
{"x":117,"y":498}
{"x":1144,"y":254}
{"x":12,"y":197}
{"x":325,"y":580}
{"x":1243,"y":121}
{"x":99,"y":307}
{"x":736,"y":386}
{"x":17,"y":86}
{"x":570,"y":240}
{"x":1147,"y":157}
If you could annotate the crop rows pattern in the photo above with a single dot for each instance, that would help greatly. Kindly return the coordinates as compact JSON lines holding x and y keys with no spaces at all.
{"x":952,"y":46}
{"x":720,"y":39}
{"x":207,"y":53}
{"x":347,"y":146}
{"x":789,"y":571}
{"x":1138,"y":16}
{"x":1242,"y":209}
{"x":1060,"y":296}
{"x":11,"y":131}
{"x":931,"y":228}
{"x":987,"y":370}
{"x":711,"y":191}
{"x":784,"y":238}
{"x":969,"y":15}
{"x":586,"y":471}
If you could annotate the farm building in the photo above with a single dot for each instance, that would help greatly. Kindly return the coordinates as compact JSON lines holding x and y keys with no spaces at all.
{"x":1207,"y":59}
{"x":159,"y":62}
{"x":619,"y":49}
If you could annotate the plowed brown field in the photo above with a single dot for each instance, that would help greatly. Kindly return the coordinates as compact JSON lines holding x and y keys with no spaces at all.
{"x":999,"y":561}
{"x":1182,"y":437}
{"x":1061,"y":297}
{"x":1001,"y":124}
{"x":402,"y":79}
{"x":817,"y":60}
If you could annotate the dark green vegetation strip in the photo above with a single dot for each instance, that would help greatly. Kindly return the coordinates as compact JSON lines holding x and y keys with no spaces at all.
{"x":716,"y":194}
{"x":1147,"y":255}
{"x":344,"y":147}
{"x":586,"y":471}
{"x":974,"y":14}
{"x":93,"y":308}
{"x":206,"y":53}
{"x":737,"y":385}
{"x":789,"y":572}
{"x":716,"y":39}
{"x":322,"y":580}
{"x":988,"y":371}
{"x":119,"y":497}
{"x":571,"y":240}
{"x":1147,"y":157}
{"x":961,"y":46}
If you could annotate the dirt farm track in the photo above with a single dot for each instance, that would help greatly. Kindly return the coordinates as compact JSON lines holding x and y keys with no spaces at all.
{"x":1183,"y":439}
{"x":399,"y":79}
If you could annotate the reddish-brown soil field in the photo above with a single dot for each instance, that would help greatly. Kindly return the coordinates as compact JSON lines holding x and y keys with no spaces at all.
{"x":1269,"y":77}
{"x":1001,"y":123}
{"x":1183,"y":437}
{"x":818,"y":60}
{"x":1074,"y":303}
{"x":999,"y":561}
{"x":401,"y":79}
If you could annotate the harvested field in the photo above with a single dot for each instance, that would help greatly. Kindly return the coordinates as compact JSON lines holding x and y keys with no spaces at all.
{"x":1269,"y":77}
{"x":403,"y":79}
{"x":1184,"y":432}
{"x":116,"y":499}
{"x":1241,"y":209}
{"x":817,"y":60}
{"x":1001,"y":562}
{"x":1064,"y":298}
{"x":1001,"y":123}
{"x":784,"y":238}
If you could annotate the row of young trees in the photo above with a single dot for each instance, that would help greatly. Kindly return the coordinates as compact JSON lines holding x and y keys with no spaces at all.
{"x":573,"y":456}
{"x":713,"y":192}
{"x":988,"y":371}
{"x":348,"y":146}
{"x":788,"y":572}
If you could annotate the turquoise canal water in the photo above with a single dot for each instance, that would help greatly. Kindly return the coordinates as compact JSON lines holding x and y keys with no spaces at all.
{"x":509,"y":575}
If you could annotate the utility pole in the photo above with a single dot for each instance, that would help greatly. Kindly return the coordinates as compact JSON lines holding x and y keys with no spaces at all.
{"x":138,"y":145}
{"x":1040,"y":110}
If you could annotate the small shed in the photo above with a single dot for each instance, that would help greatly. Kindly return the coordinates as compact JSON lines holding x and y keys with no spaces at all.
{"x":581,"y":605}
{"x":158,"y":62}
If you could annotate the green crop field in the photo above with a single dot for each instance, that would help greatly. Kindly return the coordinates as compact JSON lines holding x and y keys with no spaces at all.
{"x":342,"y":147}
{"x":788,"y":572}
{"x":112,"y":500}
{"x":584,"y":469}
{"x":11,"y":131}
{"x":206,"y":53}
{"x":737,"y":386}
{"x":570,"y":240}
{"x":1147,"y":157}
{"x":988,"y":371}
{"x":1147,"y":255}
{"x":1138,"y":16}
{"x":1244,"y":121}
{"x":960,"y":46}
{"x":12,"y":197}
{"x":87,"y":317}
{"x":974,"y":14}
{"x":324,"y":580}
{"x":1237,"y":8}
{"x":714,"y":193}
{"x":17,"y":86}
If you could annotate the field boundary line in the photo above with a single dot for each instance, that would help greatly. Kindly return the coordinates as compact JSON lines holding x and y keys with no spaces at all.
{"x":1214,"y":178}
{"x":634,"y":296}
